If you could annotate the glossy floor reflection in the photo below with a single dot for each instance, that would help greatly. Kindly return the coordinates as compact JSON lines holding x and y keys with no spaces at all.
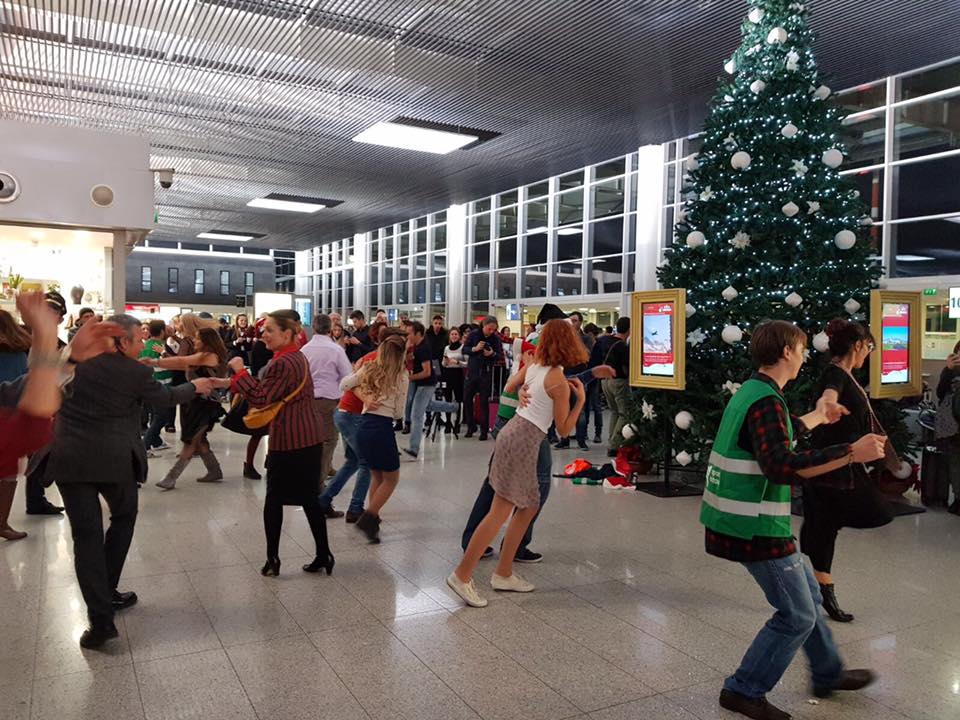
{"x":630,"y":618}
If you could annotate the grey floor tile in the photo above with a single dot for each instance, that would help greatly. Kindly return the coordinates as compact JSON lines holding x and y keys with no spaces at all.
{"x":288,"y":678}
{"x":15,"y":698}
{"x":202,"y":686}
{"x":105,"y":694}
{"x":652,"y":707}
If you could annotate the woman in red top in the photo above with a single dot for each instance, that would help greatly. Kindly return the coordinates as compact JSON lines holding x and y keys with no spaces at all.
{"x":28,"y":428}
{"x":296,"y":438}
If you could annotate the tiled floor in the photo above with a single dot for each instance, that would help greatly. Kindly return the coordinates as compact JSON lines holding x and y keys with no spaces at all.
{"x":630,"y":619}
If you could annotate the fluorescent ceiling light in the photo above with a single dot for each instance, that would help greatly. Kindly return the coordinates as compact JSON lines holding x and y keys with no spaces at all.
{"x":217,"y":235}
{"x":407,"y":136}
{"x":570,"y":231}
{"x":269,"y":203}
{"x":914,"y":258}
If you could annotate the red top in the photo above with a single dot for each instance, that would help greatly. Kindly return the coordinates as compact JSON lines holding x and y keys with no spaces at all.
{"x":298,"y":425}
{"x":20,"y":434}
{"x":302,"y":339}
{"x":349,"y":402}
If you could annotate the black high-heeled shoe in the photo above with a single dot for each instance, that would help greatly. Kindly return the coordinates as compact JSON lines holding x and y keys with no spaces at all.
{"x":318,"y":564}
{"x":271,"y":568}
{"x":831,"y":605}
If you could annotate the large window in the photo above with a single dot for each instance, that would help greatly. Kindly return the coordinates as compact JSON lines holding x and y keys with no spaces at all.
{"x":224,"y":282}
{"x":173,"y":280}
{"x":198,"y":282}
{"x":146,"y":279}
{"x":248,"y":283}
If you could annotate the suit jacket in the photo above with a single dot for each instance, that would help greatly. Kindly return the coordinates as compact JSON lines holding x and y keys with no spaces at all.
{"x":97,"y":431}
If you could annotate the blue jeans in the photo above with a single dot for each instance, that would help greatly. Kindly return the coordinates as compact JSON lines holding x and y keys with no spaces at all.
{"x":418,"y":413}
{"x":792,"y":590}
{"x":484,"y":501}
{"x":408,"y":407}
{"x":347,"y":424}
{"x":159,"y":419}
{"x":591,"y":405}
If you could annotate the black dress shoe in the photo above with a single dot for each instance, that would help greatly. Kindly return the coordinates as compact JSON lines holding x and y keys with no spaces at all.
{"x":598,"y":439}
{"x":46,"y":508}
{"x":123,"y":600}
{"x":250,"y":472}
{"x":563,"y":444}
{"x":849,"y":680}
{"x":831,"y":605}
{"x":271,"y":568}
{"x":369,"y":524}
{"x":97,"y":634}
{"x":405,"y":430}
{"x":582,"y":444}
{"x":469,"y":434}
{"x":352,"y":517}
{"x":318,"y":564}
{"x":483,"y":436}
{"x":332,"y":514}
{"x":756,"y":708}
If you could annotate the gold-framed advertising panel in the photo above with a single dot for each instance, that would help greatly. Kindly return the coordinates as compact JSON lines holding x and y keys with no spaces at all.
{"x":896,"y":366}
{"x":658,"y":347}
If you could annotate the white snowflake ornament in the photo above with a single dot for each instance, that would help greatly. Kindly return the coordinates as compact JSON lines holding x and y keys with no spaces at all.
{"x":730,"y":142}
{"x":793,"y":57}
{"x":730,"y":293}
{"x":707,"y":194}
{"x":790,"y":209}
{"x":730,"y":66}
{"x":731,"y":387}
{"x":799,"y":168}
{"x":740,"y":241}
{"x":851,"y":306}
{"x":696,"y":337}
{"x":813,"y":207}
{"x":648,"y":411}
{"x":793,"y":299}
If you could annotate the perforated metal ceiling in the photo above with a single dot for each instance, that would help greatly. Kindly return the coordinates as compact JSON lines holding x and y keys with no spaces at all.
{"x":247,"y":97}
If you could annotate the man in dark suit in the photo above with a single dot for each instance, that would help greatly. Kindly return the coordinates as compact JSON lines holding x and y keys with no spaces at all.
{"x":482,"y":348}
{"x":97,"y":451}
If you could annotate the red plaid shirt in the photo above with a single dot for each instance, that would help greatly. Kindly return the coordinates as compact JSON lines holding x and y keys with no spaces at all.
{"x":765,"y":436}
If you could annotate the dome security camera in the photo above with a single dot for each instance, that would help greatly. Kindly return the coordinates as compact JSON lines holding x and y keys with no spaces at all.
{"x":165,"y":176}
{"x":9,"y":187}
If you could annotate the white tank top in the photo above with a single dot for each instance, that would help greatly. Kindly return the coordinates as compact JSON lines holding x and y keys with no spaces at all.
{"x":540,"y":409}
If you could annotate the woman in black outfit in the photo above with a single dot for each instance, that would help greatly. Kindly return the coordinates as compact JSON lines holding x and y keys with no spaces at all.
{"x":950,"y":443}
{"x":454,"y":366}
{"x":848,"y":497}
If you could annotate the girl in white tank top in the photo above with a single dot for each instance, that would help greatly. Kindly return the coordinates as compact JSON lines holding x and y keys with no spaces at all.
{"x":513,"y":467}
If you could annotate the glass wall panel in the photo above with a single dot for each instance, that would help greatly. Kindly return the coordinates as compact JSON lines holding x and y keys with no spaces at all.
{"x":610,"y":169}
{"x":387,"y":289}
{"x":373,"y":295}
{"x":570,"y":244}
{"x":420,"y":291}
{"x":374,"y":250}
{"x":507,"y":198}
{"x":440,"y":237}
{"x":507,"y":253}
{"x":866,"y":97}
{"x":420,"y":267}
{"x":929,"y":81}
{"x":479,"y":286}
{"x":439,"y":261}
{"x":481,"y":206}
{"x":481,"y":228}
{"x":374,"y":275}
{"x":567,"y":278}
{"x":571,"y":180}
{"x":388,"y":253}
{"x":507,"y":222}
{"x":533,"y":282}
{"x":570,"y":207}
{"x":605,"y":275}
{"x":536,"y":215}
{"x":608,"y":197}
{"x":927,"y":127}
{"x":421,"y":240}
{"x":606,"y":237}
{"x":631,"y":263}
{"x":670,"y":186}
{"x":440,"y":217}
{"x":928,"y":187}
{"x":421,"y":222}
{"x":535,"y":249}
{"x":438,"y":290}
{"x":864,"y":138}
{"x":403,"y":248}
{"x":870,"y":185}
{"x":506,"y":284}
{"x":481,"y":257}
{"x":538,"y":190}
{"x":478,"y":311}
{"x":926,"y":247}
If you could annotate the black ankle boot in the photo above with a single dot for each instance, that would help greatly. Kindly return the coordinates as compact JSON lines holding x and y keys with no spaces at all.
{"x":319,"y":563}
{"x":271,"y":568}
{"x":831,"y":605}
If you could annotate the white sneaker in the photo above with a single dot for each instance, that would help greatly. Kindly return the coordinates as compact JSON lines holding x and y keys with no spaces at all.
{"x":467,"y":591}
{"x":514,"y":583}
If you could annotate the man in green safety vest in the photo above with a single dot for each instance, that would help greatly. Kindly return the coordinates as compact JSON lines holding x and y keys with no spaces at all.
{"x":746,"y":511}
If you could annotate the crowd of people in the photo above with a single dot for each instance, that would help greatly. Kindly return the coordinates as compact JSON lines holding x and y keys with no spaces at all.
{"x":370,"y":384}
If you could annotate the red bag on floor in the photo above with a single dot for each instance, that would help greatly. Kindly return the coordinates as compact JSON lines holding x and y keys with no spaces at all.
{"x":493,"y":412}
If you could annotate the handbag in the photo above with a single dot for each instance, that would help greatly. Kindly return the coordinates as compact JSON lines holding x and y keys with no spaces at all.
{"x":233,"y":420}
{"x":257,"y":418}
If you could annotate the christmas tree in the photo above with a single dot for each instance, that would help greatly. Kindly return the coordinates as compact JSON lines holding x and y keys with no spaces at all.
{"x":769,"y":229}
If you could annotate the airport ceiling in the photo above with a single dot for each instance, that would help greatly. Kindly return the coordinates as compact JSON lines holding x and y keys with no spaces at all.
{"x":249,"y":97}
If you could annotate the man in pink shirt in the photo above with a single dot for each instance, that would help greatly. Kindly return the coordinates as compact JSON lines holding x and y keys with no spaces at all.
{"x":328,"y":366}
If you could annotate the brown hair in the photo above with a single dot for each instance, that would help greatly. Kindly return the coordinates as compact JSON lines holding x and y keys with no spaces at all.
{"x":559,"y":345}
{"x":287,"y":321}
{"x":379,"y":379}
{"x":211,"y":342}
{"x":770,"y":338}
{"x":13,"y":338}
{"x":157,"y":328}
{"x":844,"y":334}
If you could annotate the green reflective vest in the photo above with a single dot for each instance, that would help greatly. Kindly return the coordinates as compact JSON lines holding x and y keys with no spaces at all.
{"x":738,"y":500}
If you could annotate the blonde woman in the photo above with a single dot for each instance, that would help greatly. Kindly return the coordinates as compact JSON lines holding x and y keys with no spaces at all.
{"x":382,"y":387}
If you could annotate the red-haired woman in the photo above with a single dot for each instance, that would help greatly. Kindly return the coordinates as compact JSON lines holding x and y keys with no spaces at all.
{"x":513,"y":468}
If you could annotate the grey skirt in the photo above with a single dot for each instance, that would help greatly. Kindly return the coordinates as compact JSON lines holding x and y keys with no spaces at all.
{"x":513,"y":468}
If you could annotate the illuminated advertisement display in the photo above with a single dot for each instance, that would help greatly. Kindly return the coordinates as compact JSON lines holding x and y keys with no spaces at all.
{"x":895,"y":344}
{"x":658,"y":356}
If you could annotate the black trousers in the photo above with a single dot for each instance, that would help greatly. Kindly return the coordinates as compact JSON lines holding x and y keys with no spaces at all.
{"x":828,"y":509}
{"x":453,"y":390}
{"x":472,"y":386}
{"x":99,"y":558}
{"x":292,"y":479}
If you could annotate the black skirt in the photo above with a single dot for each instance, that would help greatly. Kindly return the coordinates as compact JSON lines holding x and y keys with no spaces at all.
{"x":197,"y":416}
{"x":294,"y":475}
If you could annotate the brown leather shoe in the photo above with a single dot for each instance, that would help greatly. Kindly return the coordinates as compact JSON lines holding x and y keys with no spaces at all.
{"x":352,"y":517}
{"x":849,"y":680}
{"x":332,"y":514}
{"x":756,"y":708}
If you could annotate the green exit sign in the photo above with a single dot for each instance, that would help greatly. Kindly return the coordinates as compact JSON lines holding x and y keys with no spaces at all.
{"x":929,"y":291}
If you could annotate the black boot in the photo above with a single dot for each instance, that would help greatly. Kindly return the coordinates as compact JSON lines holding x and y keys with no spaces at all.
{"x":954,"y":507}
{"x":849,"y":680}
{"x":250,"y":472}
{"x":831,"y":605}
{"x":98,"y":633}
